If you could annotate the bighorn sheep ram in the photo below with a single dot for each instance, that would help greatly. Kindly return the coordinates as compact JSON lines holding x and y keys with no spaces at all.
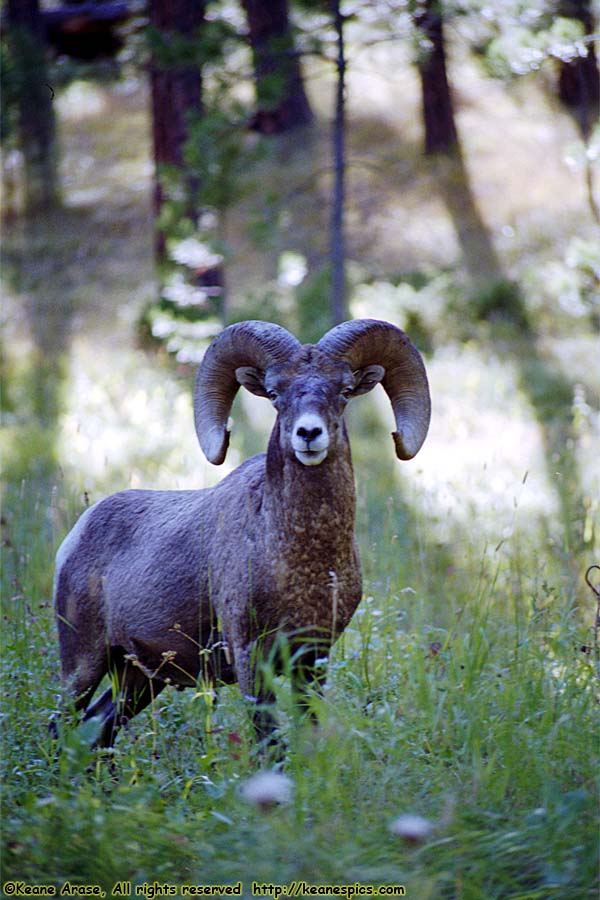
{"x":166,"y":587}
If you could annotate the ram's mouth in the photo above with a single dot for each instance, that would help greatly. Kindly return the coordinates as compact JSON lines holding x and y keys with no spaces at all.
{"x":311,"y":457}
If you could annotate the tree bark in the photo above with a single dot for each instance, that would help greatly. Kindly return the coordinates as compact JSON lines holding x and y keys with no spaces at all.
{"x":438,"y":111}
{"x":176,"y":91}
{"x":36,"y":121}
{"x":579,"y":79}
{"x":338,"y":243}
{"x":282,"y":103}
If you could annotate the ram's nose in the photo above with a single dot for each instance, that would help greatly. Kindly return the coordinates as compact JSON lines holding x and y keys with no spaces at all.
{"x":310,"y":439}
{"x":309,"y":434}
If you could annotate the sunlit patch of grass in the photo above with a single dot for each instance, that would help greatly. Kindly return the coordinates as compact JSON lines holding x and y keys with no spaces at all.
{"x":114,"y":421}
{"x":84,"y":108}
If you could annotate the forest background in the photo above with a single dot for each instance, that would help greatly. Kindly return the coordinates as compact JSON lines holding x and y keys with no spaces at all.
{"x":170,"y":168}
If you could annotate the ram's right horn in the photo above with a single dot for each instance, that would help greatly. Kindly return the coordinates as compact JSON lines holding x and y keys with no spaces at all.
{"x":365,"y":342}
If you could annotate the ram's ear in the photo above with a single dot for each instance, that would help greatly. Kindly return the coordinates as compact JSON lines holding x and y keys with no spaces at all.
{"x":252,"y":379}
{"x":366,"y":379}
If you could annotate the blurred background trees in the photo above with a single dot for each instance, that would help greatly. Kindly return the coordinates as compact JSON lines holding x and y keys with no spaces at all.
{"x":30,"y":98}
{"x":221,"y":72}
{"x":438,"y":111}
{"x":176,"y":89}
{"x":281,"y":100}
{"x":579,"y":79}
{"x":230,"y":109}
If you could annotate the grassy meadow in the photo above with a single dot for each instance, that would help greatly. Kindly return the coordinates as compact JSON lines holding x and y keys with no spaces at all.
{"x":465,"y":690}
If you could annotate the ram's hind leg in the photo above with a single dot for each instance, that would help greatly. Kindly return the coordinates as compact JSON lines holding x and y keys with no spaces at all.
{"x":131,"y":691}
{"x":81,"y":686}
{"x":84,"y":654}
{"x":81,"y":671}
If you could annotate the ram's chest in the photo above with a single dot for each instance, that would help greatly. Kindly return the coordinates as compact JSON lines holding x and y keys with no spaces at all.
{"x":314,"y":588}
{"x":276,"y":591}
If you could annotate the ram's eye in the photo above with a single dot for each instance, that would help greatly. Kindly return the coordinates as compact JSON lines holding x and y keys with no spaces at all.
{"x":346,"y":392}
{"x":272,"y":395}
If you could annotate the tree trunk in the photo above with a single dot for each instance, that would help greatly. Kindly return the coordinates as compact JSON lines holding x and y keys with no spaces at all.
{"x":579,"y":88}
{"x":438,"y":113}
{"x":282,"y":103}
{"x":36,"y":122}
{"x":579,"y":79}
{"x":338,"y":248}
{"x":176,"y":91}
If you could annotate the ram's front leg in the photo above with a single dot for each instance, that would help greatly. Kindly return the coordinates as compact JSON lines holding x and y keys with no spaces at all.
{"x":309,"y":673}
{"x":253,"y":682}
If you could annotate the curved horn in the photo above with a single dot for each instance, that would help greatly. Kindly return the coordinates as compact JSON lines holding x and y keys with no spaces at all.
{"x":249,"y":343}
{"x":366,"y":342}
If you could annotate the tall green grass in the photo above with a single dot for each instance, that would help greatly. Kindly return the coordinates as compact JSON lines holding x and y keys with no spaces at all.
{"x":459,"y":692}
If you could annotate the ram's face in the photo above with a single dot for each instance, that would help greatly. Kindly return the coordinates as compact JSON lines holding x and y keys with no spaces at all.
{"x":310,"y":394}
{"x":310,"y":398}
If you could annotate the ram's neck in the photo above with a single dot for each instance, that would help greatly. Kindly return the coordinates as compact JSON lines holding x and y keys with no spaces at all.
{"x":311,"y":505}
{"x":311,"y":549}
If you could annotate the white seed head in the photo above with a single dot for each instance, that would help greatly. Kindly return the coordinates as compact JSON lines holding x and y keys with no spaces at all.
{"x":267,"y":789}
{"x":411,"y":828}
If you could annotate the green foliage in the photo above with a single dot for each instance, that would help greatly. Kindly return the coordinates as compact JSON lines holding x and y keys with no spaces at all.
{"x":270,"y":305}
{"x":502,"y":300}
{"x":218,"y":154}
{"x":193,"y":217}
{"x":314,"y":312}
{"x":524,"y":49}
{"x":206,"y":47}
{"x":417,"y":302}
{"x":9,"y":92}
{"x":31,"y":401}
{"x":566,"y":291}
